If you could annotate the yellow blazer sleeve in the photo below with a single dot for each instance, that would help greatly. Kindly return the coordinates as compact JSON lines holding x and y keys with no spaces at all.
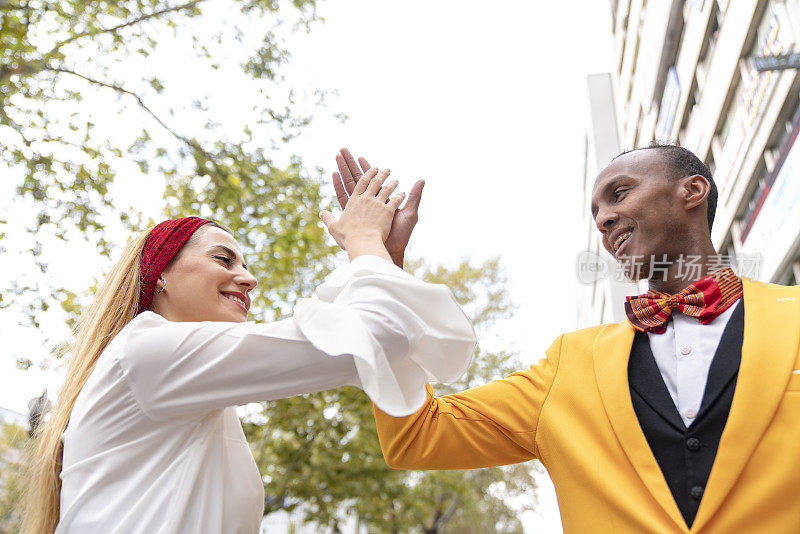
{"x":489,"y":425}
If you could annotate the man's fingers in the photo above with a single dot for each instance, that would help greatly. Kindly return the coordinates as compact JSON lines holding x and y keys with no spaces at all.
{"x":347,"y":176}
{"x":351,"y":164}
{"x":364,"y":164}
{"x":327,"y":218}
{"x":376,"y":183}
{"x":396,"y":200}
{"x":338,"y":186}
{"x":414,"y":196}
{"x":365,"y":180}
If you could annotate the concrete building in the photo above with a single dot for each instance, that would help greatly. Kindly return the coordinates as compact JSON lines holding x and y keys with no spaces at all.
{"x":600,"y":289}
{"x":684,"y":72}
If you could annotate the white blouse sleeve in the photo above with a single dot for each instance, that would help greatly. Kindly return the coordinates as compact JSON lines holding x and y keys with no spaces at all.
{"x":372,"y":325}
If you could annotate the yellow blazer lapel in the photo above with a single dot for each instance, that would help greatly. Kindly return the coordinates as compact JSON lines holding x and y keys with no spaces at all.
{"x":612,"y":350}
{"x":769,"y":349}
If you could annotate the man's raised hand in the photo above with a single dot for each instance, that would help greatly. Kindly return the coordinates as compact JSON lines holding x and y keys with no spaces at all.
{"x":405,"y":218}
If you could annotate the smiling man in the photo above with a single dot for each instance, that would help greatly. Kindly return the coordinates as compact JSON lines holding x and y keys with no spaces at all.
{"x":682,"y":418}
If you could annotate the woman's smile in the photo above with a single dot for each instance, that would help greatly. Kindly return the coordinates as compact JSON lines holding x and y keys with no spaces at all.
{"x":237,"y":298}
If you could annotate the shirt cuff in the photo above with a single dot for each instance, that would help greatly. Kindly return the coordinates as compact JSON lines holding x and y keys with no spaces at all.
{"x":437,"y":336}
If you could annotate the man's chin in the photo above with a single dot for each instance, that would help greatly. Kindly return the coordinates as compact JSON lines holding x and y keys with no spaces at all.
{"x":633,"y":267}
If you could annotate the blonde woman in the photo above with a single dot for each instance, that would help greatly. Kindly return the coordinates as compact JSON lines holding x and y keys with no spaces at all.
{"x":144,"y":437}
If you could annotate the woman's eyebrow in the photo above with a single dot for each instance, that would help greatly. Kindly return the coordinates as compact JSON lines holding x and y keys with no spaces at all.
{"x":231,"y":253}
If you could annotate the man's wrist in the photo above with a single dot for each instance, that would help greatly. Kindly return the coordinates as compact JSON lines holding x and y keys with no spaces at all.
{"x":398,"y":257}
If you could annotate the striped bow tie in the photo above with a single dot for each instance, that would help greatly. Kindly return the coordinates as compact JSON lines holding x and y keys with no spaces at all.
{"x":705,"y":299}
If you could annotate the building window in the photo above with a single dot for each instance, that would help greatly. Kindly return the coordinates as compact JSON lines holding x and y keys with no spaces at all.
{"x":731,"y":107}
{"x":709,"y":44}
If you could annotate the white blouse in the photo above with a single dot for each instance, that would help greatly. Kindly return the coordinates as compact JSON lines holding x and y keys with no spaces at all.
{"x":154,"y":444}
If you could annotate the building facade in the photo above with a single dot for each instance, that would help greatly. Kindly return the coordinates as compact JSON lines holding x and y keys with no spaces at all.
{"x":684,"y":72}
{"x":601,"y":289}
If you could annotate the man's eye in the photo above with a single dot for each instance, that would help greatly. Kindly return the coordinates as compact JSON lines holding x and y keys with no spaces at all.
{"x":226,"y":259}
{"x":619,"y":192}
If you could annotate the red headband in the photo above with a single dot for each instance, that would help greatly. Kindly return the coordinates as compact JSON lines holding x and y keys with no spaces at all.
{"x":164,"y":241}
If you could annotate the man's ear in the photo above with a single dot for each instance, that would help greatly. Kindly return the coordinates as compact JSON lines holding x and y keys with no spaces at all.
{"x":695,"y":190}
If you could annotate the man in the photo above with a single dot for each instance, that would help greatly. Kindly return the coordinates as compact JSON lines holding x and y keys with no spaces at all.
{"x":684,"y":418}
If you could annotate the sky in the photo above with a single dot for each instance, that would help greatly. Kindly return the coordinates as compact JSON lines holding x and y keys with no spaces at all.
{"x":484,"y":100}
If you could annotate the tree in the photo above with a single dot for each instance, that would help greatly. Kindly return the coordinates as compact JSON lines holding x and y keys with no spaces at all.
{"x":13,"y":439}
{"x":85,"y":91}
{"x":319,"y":453}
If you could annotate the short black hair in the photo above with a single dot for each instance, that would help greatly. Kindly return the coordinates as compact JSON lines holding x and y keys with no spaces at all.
{"x":685,"y":163}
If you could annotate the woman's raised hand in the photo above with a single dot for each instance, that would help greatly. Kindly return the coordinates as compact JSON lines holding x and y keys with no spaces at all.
{"x":365,"y":222}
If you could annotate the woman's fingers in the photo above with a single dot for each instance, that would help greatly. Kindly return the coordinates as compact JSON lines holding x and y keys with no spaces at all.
{"x":327,"y":218}
{"x":365,"y":181}
{"x":396,"y":200}
{"x":364,"y":164}
{"x":376,"y":183}
{"x":386,"y":191}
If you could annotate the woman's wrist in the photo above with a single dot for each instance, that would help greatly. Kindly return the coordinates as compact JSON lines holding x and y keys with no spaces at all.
{"x":366,"y":243}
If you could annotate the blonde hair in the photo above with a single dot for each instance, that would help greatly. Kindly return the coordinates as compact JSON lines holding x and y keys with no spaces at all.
{"x":115,"y":305}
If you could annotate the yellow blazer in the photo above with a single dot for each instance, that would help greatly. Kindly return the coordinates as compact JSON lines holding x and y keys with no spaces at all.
{"x":573,"y":411}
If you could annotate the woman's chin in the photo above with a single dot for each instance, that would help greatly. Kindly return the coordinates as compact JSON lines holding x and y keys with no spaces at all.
{"x":239,"y":316}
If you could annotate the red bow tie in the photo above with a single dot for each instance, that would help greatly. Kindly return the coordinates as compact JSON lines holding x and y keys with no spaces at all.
{"x":705,"y":299}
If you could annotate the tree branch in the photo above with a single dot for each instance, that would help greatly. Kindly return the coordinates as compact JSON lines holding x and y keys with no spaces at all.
{"x":444,"y":517}
{"x":190,"y":142}
{"x":5,"y":120}
{"x":132,"y":22}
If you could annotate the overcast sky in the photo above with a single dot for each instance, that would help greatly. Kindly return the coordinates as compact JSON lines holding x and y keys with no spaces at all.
{"x":487,"y":102}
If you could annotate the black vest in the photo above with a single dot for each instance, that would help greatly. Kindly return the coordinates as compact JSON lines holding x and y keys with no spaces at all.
{"x":685,"y":455}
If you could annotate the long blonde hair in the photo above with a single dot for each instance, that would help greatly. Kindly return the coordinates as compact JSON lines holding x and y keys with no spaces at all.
{"x":115,"y":305}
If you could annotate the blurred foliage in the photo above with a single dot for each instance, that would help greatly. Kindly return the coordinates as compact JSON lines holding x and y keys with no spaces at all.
{"x":320,"y":456}
{"x":13,"y":439}
{"x":273,"y":214}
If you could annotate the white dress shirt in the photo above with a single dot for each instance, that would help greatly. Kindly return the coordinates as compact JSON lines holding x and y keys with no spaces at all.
{"x":154,"y":444}
{"x":684,"y":353}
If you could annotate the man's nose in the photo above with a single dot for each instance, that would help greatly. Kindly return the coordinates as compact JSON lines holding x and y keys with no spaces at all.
{"x":605,"y":219}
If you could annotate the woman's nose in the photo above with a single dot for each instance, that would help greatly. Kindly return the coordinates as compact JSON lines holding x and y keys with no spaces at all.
{"x":247,"y":280}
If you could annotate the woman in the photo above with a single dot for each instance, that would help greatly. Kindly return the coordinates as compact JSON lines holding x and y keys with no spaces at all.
{"x":151,"y":441}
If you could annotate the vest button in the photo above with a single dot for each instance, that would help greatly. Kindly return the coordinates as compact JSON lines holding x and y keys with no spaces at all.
{"x":692,"y":444}
{"x":696,"y":492}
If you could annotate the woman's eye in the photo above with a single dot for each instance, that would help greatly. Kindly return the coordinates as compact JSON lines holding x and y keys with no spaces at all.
{"x":226,"y":259}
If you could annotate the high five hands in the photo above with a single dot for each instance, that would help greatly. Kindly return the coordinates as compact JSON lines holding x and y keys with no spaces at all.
{"x":364,"y":224}
{"x":405,"y":218}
